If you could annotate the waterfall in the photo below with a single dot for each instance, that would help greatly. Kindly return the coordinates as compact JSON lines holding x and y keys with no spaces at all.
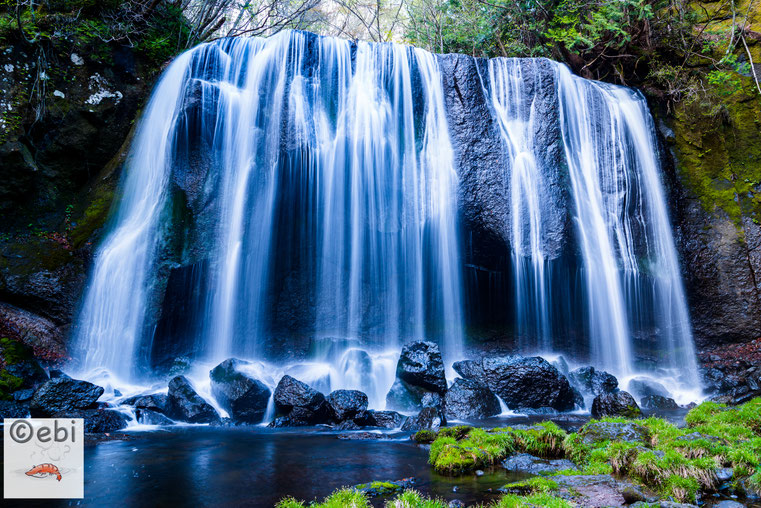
{"x":315,"y":160}
{"x":299,"y":193}
{"x":627,"y":261}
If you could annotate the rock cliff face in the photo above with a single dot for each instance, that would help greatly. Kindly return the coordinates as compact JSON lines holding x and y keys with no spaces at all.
{"x":64,"y":128}
{"x":61,"y":150}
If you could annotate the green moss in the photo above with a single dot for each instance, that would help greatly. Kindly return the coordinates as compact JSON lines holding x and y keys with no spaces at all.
{"x":424,"y":436}
{"x":718,"y":150}
{"x":531,"y":501}
{"x":9,"y":384}
{"x":531,"y":486}
{"x":342,"y":498}
{"x":457,"y":432}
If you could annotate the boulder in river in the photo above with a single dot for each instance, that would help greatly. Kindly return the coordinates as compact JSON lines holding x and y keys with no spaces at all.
{"x":157,"y":402}
{"x":594,"y":381}
{"x":527,"y":382}
{"x":150,"y":417}
{"x":467,"y":399}
{"x":64,"y":394}
{"x":429,"y":418}
{"x":186,"y":405}
{"x":469,"y":369}
{"x":302,"y":404}
{"x":12,"y":409}
{"x":383,"y":419}
{"x":619,"y":403}
{"x":97,"y":421}
{"x":347,"y":404}
{"x":658,"y":402}
{"x":526,"y":463}
{"x":420,"y":365}
{"x":615,"y":431}
{"x":244,"y":397}
{"x":643,"y":387}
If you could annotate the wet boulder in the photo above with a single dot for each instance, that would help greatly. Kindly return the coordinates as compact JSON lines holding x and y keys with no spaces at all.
{"x":619,"y":403}
{"x":244,"y":397}
{"x":615,"y":431}
{"x":429,"y":418}
{"x":157,"y":402}
{"x":302,"y":404}
{"x":658,"y":402}
{"x":404,"y":397}
{"x":420,"y":365}
{"x":528,"y":382}
{"x":642,"y":387}
{"x":469,"y":369}
{"x":384,"y":419}
{"x":594,"y":381}
{"x":64,"y":394}
{"x":526,"y":463}
{"x":12,"y":409}
{"x":467,"y":399}
{"x":97,"y":421}
{"x":347,"y":404}
{"x":186,"y":405}
{"x":149,"y":417}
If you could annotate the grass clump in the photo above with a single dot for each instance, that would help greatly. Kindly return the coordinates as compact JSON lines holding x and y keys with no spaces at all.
{"x":531,"y":501}
{"x":343,"y":498}
{"x":413,"y":499}
{"x":531,"y":486}
{"x":461,"y":449}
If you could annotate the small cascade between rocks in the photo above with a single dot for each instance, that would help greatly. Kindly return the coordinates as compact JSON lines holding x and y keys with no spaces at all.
{"x":295,"y":202}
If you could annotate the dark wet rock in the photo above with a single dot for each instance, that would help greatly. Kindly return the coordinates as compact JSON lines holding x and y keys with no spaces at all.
{"x":615,"y":431}
{"x":727,"y":503}
{"x":405,"y":397}
{"x":427,"y":418}
{"x":64,"y":394}
{"x":280,"y":422}
{"x":384,"y":419}
{"x":468,"y":399}
{"x":456,"y":503}
{"x":724,"y":474}
{"x":149,"y":417}
{"x":243,"y":397}
{"x":347,"y":425}
{"x":56,"y":373}
{"x":420,"y":365}
{"x":12,"y":409}
{"x":302,"y":404}
{"x":432,"y":399}
{"x":470,"y":369}
{"x":594,"y":381}
{"x":186,"y":405}
{"x":673,"y":504}
{"x":642,"y":387}
{"x":23,"y":395}
{"x":383,"y":488}
{"x":548,"y":411}
{"x":347,"y":404}
{"x":658,"y":402}
{"x":364,"y":436}
{"x":97,"y":421}
{"x":530,"y":464}
{"x":158,"y":402}
{"x":594,"y":490}
{"x":619,"y":403}
{"x":632,"y":493}
{"x":42,"y":336}
{"x":528,"y":382}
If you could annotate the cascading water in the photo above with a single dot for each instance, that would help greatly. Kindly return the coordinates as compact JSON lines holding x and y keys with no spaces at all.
{"x":310,"y":183}
{"x":628,"y":268}
{"x":315,"y":159}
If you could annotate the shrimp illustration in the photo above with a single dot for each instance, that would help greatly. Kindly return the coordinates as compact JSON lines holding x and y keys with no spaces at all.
{"x":45,"y":470}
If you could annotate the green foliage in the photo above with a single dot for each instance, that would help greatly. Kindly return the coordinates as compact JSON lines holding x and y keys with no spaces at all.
{"x":9,"y":384}
{"x":531,"y":501}
{"x":343,"y":498}
{"x":413,"y":499}
{"x":531,"y":486}
{"x":424,"y":436}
